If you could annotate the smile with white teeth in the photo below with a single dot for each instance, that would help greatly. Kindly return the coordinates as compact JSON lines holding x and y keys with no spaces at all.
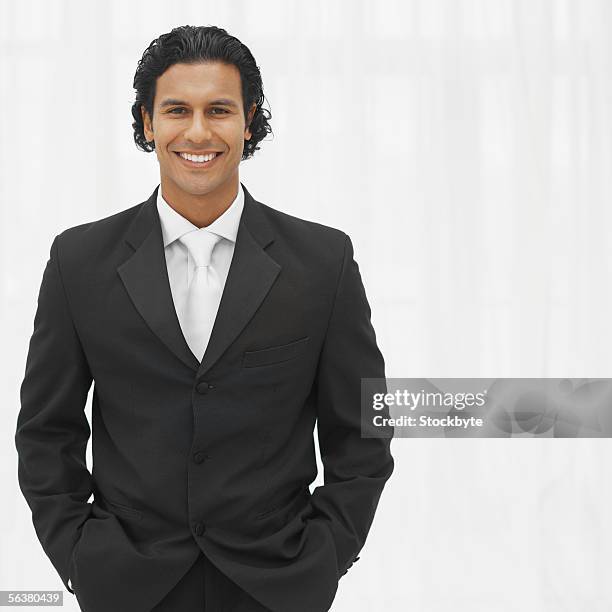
{"x":199,"y":158}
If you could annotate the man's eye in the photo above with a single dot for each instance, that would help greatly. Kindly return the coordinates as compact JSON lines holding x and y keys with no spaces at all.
{"x":222,"y":110}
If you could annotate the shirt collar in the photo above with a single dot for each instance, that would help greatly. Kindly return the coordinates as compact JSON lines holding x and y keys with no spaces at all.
{"x":174,"y":225}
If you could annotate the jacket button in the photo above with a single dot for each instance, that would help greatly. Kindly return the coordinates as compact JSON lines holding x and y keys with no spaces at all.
{"x":203,"y":387}
{"x":198,"y":528}
{"x":200,"y":457}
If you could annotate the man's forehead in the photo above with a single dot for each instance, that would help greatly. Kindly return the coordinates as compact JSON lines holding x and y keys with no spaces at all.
{"x":201,"y":82}
{"x":201,"y":72}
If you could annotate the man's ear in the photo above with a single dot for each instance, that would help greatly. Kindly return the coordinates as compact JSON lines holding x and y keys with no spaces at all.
{"x":247,"y":130}
{"x":148,"y":128}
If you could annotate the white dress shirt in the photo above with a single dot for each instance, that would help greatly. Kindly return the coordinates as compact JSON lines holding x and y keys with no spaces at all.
{"x":178,"y":260}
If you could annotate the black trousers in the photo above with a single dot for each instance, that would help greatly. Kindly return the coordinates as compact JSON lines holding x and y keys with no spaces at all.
{"x":205,"y":589}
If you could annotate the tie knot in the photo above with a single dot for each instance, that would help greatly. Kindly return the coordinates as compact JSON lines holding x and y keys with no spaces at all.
{"x":200,"y":244}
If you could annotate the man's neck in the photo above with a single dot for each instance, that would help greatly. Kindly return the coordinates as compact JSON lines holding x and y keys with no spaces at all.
{"x":201,"y":210}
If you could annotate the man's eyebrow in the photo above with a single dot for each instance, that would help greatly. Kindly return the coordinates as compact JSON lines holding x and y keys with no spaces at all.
{"x":176,"y":102}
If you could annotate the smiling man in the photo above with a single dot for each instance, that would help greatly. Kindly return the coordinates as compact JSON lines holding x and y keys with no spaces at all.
{"x":198,"y":115}
{"x":217,"y":331}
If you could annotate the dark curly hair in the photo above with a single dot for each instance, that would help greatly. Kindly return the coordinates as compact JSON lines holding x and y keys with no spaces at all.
{"x":193,"y":44}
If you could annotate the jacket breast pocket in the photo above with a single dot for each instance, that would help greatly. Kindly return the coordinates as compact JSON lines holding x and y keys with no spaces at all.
{"x":274,"y":354}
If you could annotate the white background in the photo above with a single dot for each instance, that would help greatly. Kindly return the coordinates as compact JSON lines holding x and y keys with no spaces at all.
{"x":465,"y":146}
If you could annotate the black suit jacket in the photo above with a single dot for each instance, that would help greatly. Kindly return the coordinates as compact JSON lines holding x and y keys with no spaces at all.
{"x":214,"y":456}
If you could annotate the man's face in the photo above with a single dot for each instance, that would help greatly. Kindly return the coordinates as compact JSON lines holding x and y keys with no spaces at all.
{"x":198,"y":109}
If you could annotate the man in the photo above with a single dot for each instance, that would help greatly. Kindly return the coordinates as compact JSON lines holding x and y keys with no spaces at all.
{"x":217,"y":331}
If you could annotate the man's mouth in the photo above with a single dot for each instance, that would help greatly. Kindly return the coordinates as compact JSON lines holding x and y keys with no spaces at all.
{"x":198,"y":161}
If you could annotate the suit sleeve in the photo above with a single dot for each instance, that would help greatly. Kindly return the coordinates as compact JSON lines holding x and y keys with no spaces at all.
{"x":52,"y":428}
{"x":355,"y":468}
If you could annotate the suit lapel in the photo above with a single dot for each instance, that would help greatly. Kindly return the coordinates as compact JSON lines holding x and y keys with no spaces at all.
{"x":251,"y":275}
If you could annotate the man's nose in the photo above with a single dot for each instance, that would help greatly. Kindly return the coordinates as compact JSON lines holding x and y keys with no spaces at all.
{"x":199,"y":129}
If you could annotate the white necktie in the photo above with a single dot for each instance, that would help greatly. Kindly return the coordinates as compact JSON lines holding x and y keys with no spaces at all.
{"x":204,"y":293}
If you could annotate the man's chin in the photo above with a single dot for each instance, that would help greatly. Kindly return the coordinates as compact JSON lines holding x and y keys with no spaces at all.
{"x":195,"y":187}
